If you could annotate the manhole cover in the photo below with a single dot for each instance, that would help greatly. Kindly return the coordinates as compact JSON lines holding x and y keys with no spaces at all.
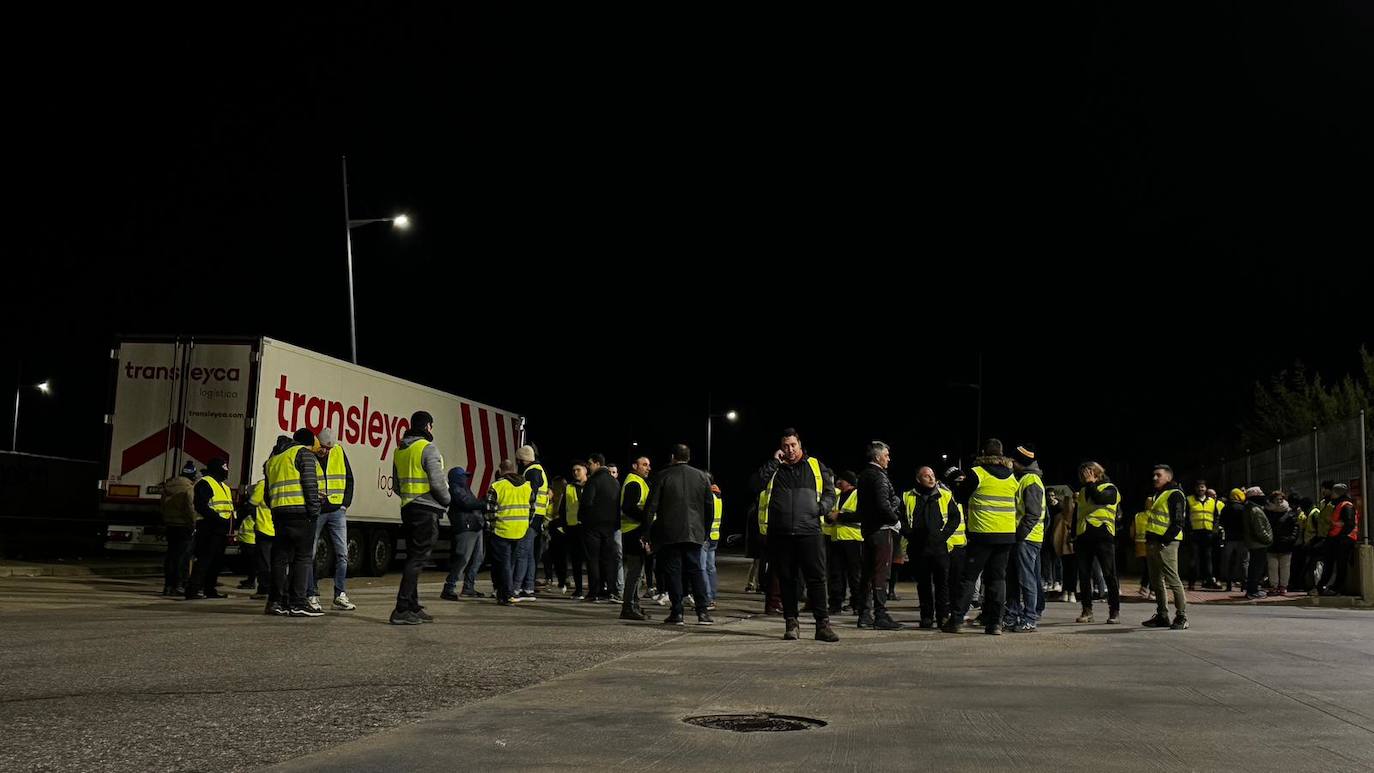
{"x":762,"y":722}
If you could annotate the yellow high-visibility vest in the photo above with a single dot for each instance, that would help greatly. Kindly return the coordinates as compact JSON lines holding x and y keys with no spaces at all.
{"x":221,"y":500}
{"x":541,"y":505}
{"x":411,"y":479}
{"x":1159,"y":512}
{"x":262,"y":519}
{"x":1142,"y":519}
{"x":828,"y":528}
{"x":1093,"y":514}
{"x":570,"y":504}
{"x":992,"y":506}
{"x":1202,"y":513}
{"x":626,"y":524}
{"x":767,"y":496}
{"x":335,"y":476}
{"x":715,"y":522}
{"x":512,"y":509}
{"x":763,"y":513}
{"x":960,"y":536}
{"x":849,"y":532}
{"x":284,"y":480}
{"x":1027,"y":481}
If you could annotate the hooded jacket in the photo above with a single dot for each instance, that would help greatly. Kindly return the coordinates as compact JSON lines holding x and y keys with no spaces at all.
{"x":600,"y":504}
{"x":1283,"y":521}
{"x":930,"y":529}
{"x":1033,"y":505}
{"x":437,"y":498}
{"x":178,"y":503}
{"x":999,"y":467}
{"x":1258,"y":533}
{"x":465,"y":511}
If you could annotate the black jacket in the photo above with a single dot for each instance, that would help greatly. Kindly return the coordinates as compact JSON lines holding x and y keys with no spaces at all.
{"x":879,"y":504}
{"x":1178,"y":516}
{"x":930,"y":529}
{"x":1233,"y":521}
{"x":465,"y":511}
{"x":1284,"y":525}
{"x":681,"y":506}
{"x":793,"y":508}
{"x":1033,"y":502}
{"x":600,"y":505}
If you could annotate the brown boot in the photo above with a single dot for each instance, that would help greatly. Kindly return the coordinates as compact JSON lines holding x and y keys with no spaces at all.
{"x":825,"y":633}
{"x":793,"y":630}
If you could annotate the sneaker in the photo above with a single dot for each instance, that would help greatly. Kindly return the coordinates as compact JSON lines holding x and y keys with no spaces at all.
{"x":195,"y":596}
{"x":448,"y":595}
{"x":825,"y":633}
{"x":518,"y":598}
{"x":504,"y":602}
{"x":886,"y":623}
{"x":673,"y":620}
{"x":1211,"y":585}
{"x":424,"y":616}
{"x":404,"y":618}
{"x":275,"y":609}
{"x":1257,"y":595}
{"x":952,"y":625}
{"x":793,"y":631}
{"x":773,"y":611}
{"x":1026,"y":628}
{"x":711,"y":607}
{"x":579,"y":597}
{"x":631,"y":614}
{"x":1114,"y":618}
{"x":996,"y":630}
{"x":865,"y":621}
{"x":705,"y":619}
{"x":341,"y":602}
{"x":304,"y":612}
{"x":313,"y":604}
{"x":529,"y":596}
{"x":615,"y":598}
{"x":662,"y":600}
{"x":1144,"y":592}
{"x":1086,"y":617}
{"x":605,"y":600}
{"x":927,"y":623}
{"x":1059,"y":587}
{"x":248,"y":584}
{"x":473,"y":594}
{"x":1069,"y":597}
{"x":1180,"y":623}
{"x":1280,"y":592}
{"x":1158,"y":621}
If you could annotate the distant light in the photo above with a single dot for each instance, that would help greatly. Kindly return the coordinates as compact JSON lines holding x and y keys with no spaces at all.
{"x":731,"y":416}
{"x":634,"y":444}
{"x":401,"y":221}
{"x":44,"y":388}
{"x":944,"y":456}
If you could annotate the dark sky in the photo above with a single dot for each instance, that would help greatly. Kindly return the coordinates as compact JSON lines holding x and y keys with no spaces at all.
{"x":818,"y":221}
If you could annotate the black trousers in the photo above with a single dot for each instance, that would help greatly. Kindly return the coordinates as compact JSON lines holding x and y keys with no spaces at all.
{"x":1200,"y":557}
{"x":792,"y":556}
{"x":1088,"y":546}
{"x":877,"y":563}
{"x":292,"y":551}
{"x":989,"y":560}
{"x":932,"y":583}
{"x":681,"y":570}
{"x":574,"y":551}
{"x":844,"y":567}
{"x":176,"y":567}
{"x":958,"y":556}
{"x":421,"y":526}
{"x":212,"y":535}
{"x":555,"y":557}
{"x":1337,"y":555}
{"x":262,"y":564}
{"x":599,"y":544}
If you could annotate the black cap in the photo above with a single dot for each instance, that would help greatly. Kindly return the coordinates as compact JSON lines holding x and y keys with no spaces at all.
{"x":848,"y":476}
{"x":421,"y":419}
{"x":1025,"y":453}
{"x":304,"y":436}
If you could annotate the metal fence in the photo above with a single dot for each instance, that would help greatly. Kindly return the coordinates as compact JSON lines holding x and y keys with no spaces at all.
{"x":1335,"y":452}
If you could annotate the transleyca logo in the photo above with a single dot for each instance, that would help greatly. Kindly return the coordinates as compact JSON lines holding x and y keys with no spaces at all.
{"x":133,"y":371}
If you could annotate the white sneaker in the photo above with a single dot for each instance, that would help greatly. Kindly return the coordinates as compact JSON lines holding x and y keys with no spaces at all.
{"x":341,"y":601}
{"x":662,"y":599}
{"x":313,"y":604}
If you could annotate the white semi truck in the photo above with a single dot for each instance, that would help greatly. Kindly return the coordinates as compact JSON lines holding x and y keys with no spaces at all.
{"x":190,"y":398}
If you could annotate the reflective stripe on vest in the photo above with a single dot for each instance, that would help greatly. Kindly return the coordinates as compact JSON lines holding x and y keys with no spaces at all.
{"x":1159,"y":512}
{"x":221,"y":501}
{"x":1202,"y":514}
{"x":828,"y":528}
{"x":541,"y":505}
{"x":992,"y":506}
{"x":763,"y":512}
{"x":626,"y":524}
{"x":960,"y":536}
{"x":1142,"y":520}
{"x":411,"y":479}
{"x":512,"y":509}
{"x":284,"y":480}
{"x":766,"y":498}
{"x":262,"y":519}
{"x":335,"y":476}
{"x":1339,"y":515}
{"x":849,"y":532}
{"x":1027,"y":481}
{"x":715,"y":522}
{"x":570,"y":504}
{"x":1093,"y":514}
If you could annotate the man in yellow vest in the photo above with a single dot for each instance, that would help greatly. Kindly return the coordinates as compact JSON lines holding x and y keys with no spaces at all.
{"x":951,"y":480}
{"x":990,"y":494}
{"x":933,"y":517}
{"x":634,"y":495}
{"x":337,"y":486}
{"x":418,"y":479}
{"x":568,"y":509}
{"x":708,"y":548}
{"x":511,"y":502}
{"x":263,"y":536}
{"x":1025,"y":590}
{"x":845,"y":562}
{"x":1204,"y":512}
{"x":1168,"y":518}
{"x":214,"y":506}
{"x":1095,"y":508}
{"x":293,"y":494}
{"x":798,"y":491}
{"x":527,"y":559}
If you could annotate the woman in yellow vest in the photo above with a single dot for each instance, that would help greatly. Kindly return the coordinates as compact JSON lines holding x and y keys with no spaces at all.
{"x":1095,"y":538}
{"x":214,"y":505}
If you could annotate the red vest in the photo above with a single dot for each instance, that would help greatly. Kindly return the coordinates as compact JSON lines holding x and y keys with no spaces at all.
{"x":1343,"y":511}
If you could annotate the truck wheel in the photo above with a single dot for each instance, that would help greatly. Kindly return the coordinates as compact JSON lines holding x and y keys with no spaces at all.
{"x":356,"y":541}
{"x":324,"y":557}
{"x":380,"y":551}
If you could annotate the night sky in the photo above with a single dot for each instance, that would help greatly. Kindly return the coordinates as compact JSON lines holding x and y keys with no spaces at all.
{"x":818,"y":222}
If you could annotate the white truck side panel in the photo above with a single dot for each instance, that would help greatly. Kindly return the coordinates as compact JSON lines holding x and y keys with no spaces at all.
{"x":369,"y":412}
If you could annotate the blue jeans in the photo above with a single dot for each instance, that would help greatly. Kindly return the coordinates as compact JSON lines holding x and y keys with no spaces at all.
{"x":1028,"y":604}
{"x":524,"y":562}
{"x":708,"y":566}
{"x":338,"y":529}
{"x":620,"y":565}
{"x":465,"y":557}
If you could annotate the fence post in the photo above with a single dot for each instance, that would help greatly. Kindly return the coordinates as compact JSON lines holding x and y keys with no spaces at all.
{"x":1364,"y":480}
{"x":1278,"y":451}
{"x":1316,"y":464}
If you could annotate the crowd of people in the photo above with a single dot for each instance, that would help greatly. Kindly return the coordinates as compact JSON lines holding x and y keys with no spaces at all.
{"x":994,"y":537}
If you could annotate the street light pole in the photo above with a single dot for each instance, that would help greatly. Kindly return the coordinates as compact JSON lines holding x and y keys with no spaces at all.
{"x":18,"y":389}
{"x":348,"y":234}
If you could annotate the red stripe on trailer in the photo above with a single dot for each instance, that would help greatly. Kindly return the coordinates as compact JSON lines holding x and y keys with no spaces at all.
{"x":470,"y":442}
{"x":501,"y":437}
{"x":515,"y":429}
{"x":486,"y":447}
{"x":164,"y":440}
